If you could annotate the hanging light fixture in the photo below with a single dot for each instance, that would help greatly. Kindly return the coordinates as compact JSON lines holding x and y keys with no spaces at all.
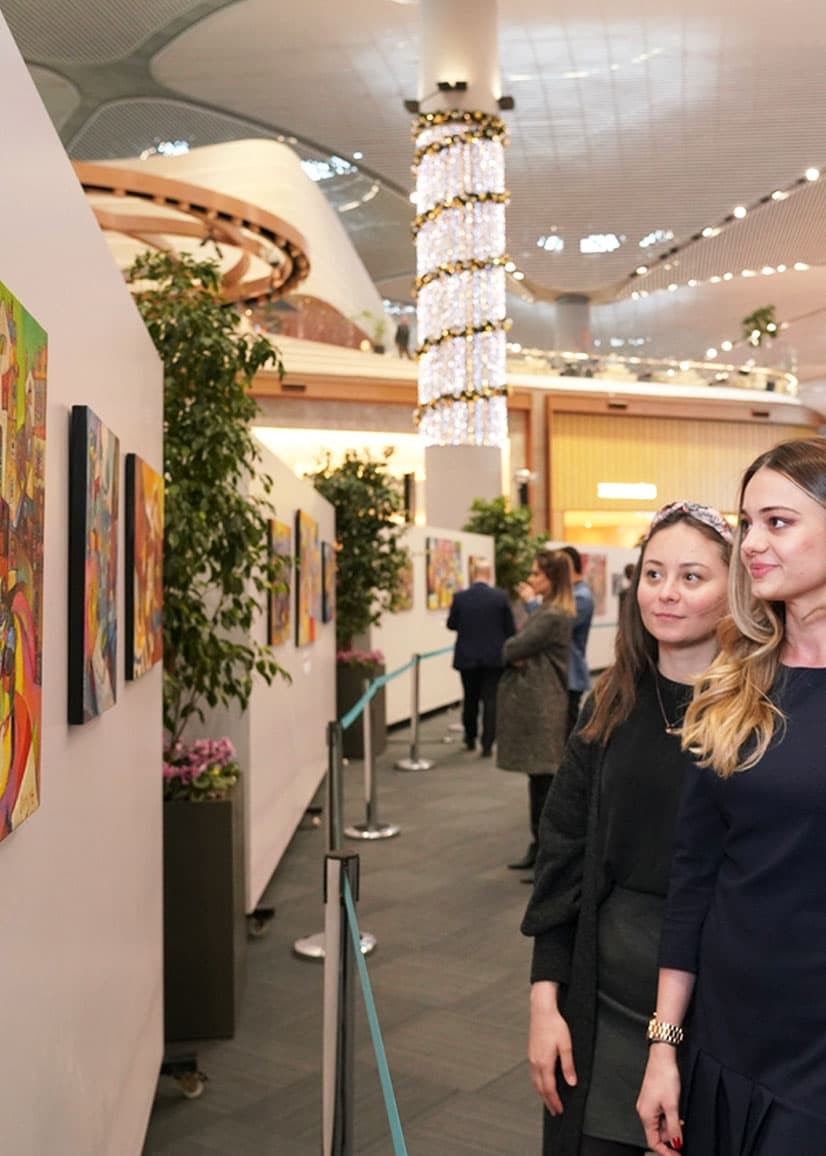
{"x":460,"y":284}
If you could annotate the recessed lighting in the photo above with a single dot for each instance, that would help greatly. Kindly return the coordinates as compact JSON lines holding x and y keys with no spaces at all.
{"x":812,"y":174}
{"x":711,"y":354}
{"x":767,"y":270}
{"x":357,"y":156}
{"x":800,"y":266}
{"x":656,"y":237}
{"x":635,"y":296}
{"x":715,"y":280}
{"x":518,"y":275}
{"x":599,"y":243}
{"x":641,"y":270}
{"x":779,"y":195}
{"x":740,"y":212}
{"x":726,"y":346}
{"x":414,"y":198}
{"x":727,"y":276}
{"x":709,"y":231}
{"x":692,"y":282}
{"x":672,"y":288}
{"x":781,"y":268}
{"x":748,"y":273}
{"x":551,"y":243}
{"x":510,"y":266}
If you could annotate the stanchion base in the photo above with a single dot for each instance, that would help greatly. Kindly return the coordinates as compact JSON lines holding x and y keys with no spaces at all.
{"x":455,"y":727}
{"x":448,"y":739}
{"x":312,"y":946}
{"x":372,"y":831}
{"x":414,"y":764}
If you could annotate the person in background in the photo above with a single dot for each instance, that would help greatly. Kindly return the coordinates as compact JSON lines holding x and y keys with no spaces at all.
{"x":579,"y":679}
{"x":605,"y":844}
{"x":483,"y":621}
{"x":532,"y":703}
{"x":627,"y":578}
{"x":745,"y":924}
{"x":403,"y":339}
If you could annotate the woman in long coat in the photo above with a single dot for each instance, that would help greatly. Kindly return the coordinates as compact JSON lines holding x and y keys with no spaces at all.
{"x":532,"y":703}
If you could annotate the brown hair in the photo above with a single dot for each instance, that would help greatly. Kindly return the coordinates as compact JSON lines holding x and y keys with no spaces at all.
{"x":556,"y":566}
{"x":731,"y":707}
{"x":635,"y":648}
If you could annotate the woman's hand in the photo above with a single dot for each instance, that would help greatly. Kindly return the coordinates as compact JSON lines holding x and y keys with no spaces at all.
{"x":658,"y":1104}
{"x":549,"y":1044}
{"x":526,"y":591}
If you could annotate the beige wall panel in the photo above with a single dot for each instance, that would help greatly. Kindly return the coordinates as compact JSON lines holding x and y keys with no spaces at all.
{"x":691,"y":458}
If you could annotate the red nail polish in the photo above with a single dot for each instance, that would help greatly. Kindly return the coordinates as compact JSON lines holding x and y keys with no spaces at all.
{"x":677,"y":1143}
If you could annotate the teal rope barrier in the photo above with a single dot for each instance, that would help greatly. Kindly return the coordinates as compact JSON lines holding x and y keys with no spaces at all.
{"x":390,"y":1105}
{"x":434,"y":653}
{"x":348,"y":719}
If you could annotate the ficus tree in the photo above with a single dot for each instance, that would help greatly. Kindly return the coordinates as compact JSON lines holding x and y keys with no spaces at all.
{"x":514,"y":544}
{"x":369,"y":507}
{"x":218,"y":569}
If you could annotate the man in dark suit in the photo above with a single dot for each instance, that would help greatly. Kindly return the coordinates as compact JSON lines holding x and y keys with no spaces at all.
{"x":483,"y":619}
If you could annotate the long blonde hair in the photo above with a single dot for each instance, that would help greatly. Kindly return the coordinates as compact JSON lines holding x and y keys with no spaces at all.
{"x":732,"y":720}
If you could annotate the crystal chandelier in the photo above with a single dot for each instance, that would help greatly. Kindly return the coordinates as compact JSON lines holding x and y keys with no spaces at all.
{"x":460,"y":282}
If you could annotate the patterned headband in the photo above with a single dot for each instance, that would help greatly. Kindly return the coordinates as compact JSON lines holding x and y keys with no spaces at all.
{"x":705,"y":514}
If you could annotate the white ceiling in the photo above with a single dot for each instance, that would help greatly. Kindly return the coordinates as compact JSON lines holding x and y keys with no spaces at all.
{"x":631,"y":116}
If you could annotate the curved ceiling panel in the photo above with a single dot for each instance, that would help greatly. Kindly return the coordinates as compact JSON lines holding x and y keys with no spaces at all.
{"x":59,"y":95}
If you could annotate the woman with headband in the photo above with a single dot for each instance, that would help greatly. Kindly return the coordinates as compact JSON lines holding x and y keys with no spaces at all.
{"x":605,"y":843}
{"x":745,"y":923}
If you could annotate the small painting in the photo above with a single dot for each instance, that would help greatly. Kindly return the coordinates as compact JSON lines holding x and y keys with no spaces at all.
{"x":444,"y":572}
{"x":23,"y":361}
{"x":328,"y":582}
{"x":280,"y":594}
{"x":404,"y":590}
{"x":308,"y":578}
{"x":595,"y":573}
{"x":94,"y":470}
{"x":143,"y":563}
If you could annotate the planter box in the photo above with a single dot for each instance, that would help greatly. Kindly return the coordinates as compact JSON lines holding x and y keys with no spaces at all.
{"x":349,"y":689}
{"x":204,"y":919}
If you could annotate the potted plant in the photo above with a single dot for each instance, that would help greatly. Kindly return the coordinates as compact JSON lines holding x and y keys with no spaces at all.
{"x":377,"y":327}
{"x":217,"y":573}
{"x":369,"y":509}
{"x":514,"y":544}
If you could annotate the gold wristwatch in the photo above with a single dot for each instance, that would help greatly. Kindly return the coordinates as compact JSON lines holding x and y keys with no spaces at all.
{"x":662,"y":1033}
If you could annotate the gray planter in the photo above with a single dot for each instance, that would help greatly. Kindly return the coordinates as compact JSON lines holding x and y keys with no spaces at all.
{"x":349,"y":689}
{"x":204,"y":919}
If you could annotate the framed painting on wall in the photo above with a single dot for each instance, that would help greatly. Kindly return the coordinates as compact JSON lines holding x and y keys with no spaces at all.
{"x":328,"y":582}
{"x":444,"y":572}
{"x":23,"y":363}
{"x":94,"y":471}
{"x":143,"y":563}
{"x":279,"y":600}
{"x":308,"y":578}
{"x":595,"y":573}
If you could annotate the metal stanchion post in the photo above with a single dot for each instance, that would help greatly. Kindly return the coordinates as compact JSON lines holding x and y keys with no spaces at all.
{"x":371,"y":828}
{"x":413,"y":762}
{"x":313,"y":946}
{"x":339,"y":966}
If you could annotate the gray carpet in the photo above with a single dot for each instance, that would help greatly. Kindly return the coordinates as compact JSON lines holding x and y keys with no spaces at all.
{"x":449,"y":976}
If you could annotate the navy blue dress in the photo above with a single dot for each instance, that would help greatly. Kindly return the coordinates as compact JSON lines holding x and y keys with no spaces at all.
{"x":746,"y":911}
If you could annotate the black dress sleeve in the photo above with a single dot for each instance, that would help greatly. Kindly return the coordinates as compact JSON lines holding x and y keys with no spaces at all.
{"x":698,"y":851}
{"x":553,"y":910}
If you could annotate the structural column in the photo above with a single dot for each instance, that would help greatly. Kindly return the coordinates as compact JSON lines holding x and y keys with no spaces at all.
{"x":573,"y":323}
{"x":460,"y":257}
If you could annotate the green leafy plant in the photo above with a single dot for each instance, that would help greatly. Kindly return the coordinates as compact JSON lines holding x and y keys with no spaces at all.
{"x":759,"y":326}
{"x":218,"y":568}
{"x":514,"y":544}
{"x":369,"y":561}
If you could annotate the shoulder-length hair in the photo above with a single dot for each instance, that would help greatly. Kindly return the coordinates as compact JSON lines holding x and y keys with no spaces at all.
{"x":635,"y":649}
{"x":731,"y":720}
{"x":556,"y":566}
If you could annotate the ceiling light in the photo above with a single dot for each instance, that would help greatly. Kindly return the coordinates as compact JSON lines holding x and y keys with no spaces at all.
{"x":726,"y":346}
{"x":551,"y":244}
{"x":767,"y":270}
{"x":357,"y":156}
{"x":656,"y":237}
{"x":414,"y":198}
{"x":692,"y":282}
{"x":727,"y":276}
{"x":684,"y":365}
{"x":715,"y":280}
{"x":800,"y":266}
{"x":518,"y":275}
{"x":748,"y":273}
{"x":812,"y":174}
{"x":709,"y":231}
{"x":740,"y":212}
{"x":635,"y":296}
{"x":510,"y":266}
{"x":672,"y":288}
{"x":781,"y":268}
{"x":577,"y":75}
{"x":641,"y":270}
{"x":779,"y":195}
{"x":711,"y":354}
{"x":599,"y":243}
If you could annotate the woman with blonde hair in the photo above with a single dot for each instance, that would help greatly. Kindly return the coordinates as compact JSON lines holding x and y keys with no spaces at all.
{"x":606,"y":838}
{"x":532,"y":700}
{"x":745,"y":925}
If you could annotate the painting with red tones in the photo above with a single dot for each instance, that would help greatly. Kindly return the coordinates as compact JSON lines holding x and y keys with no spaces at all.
{"x":444,"y":572}
{"x":595,"y":573}
{"x":143,"y":563}
{"x":23,"y":358}
{"x":94,"y":473}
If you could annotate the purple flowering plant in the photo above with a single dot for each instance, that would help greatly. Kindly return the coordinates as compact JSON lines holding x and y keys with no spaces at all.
{"x":355,"y":659}
{"x":200,"y":770}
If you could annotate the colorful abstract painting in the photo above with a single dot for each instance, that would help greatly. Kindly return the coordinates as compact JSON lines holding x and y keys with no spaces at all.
{"x":143,"y":562}
{"x":595,"y":573}
{"x":308,"y":578}
{"x":94,"y":471}
{"x":328,"y":582}
{"x":404,"y":592}
{"x":278,"y":630}
{"x":23,"y":357}
{"x":444,"y":572}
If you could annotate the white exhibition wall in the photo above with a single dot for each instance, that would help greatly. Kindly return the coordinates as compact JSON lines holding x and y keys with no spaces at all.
{"x":420,"y":630}
{"x":281,"y":739}
{"x":80,"y":899}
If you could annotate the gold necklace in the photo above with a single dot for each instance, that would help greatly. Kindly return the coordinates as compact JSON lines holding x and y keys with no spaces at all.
{"x":671,"y":728}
